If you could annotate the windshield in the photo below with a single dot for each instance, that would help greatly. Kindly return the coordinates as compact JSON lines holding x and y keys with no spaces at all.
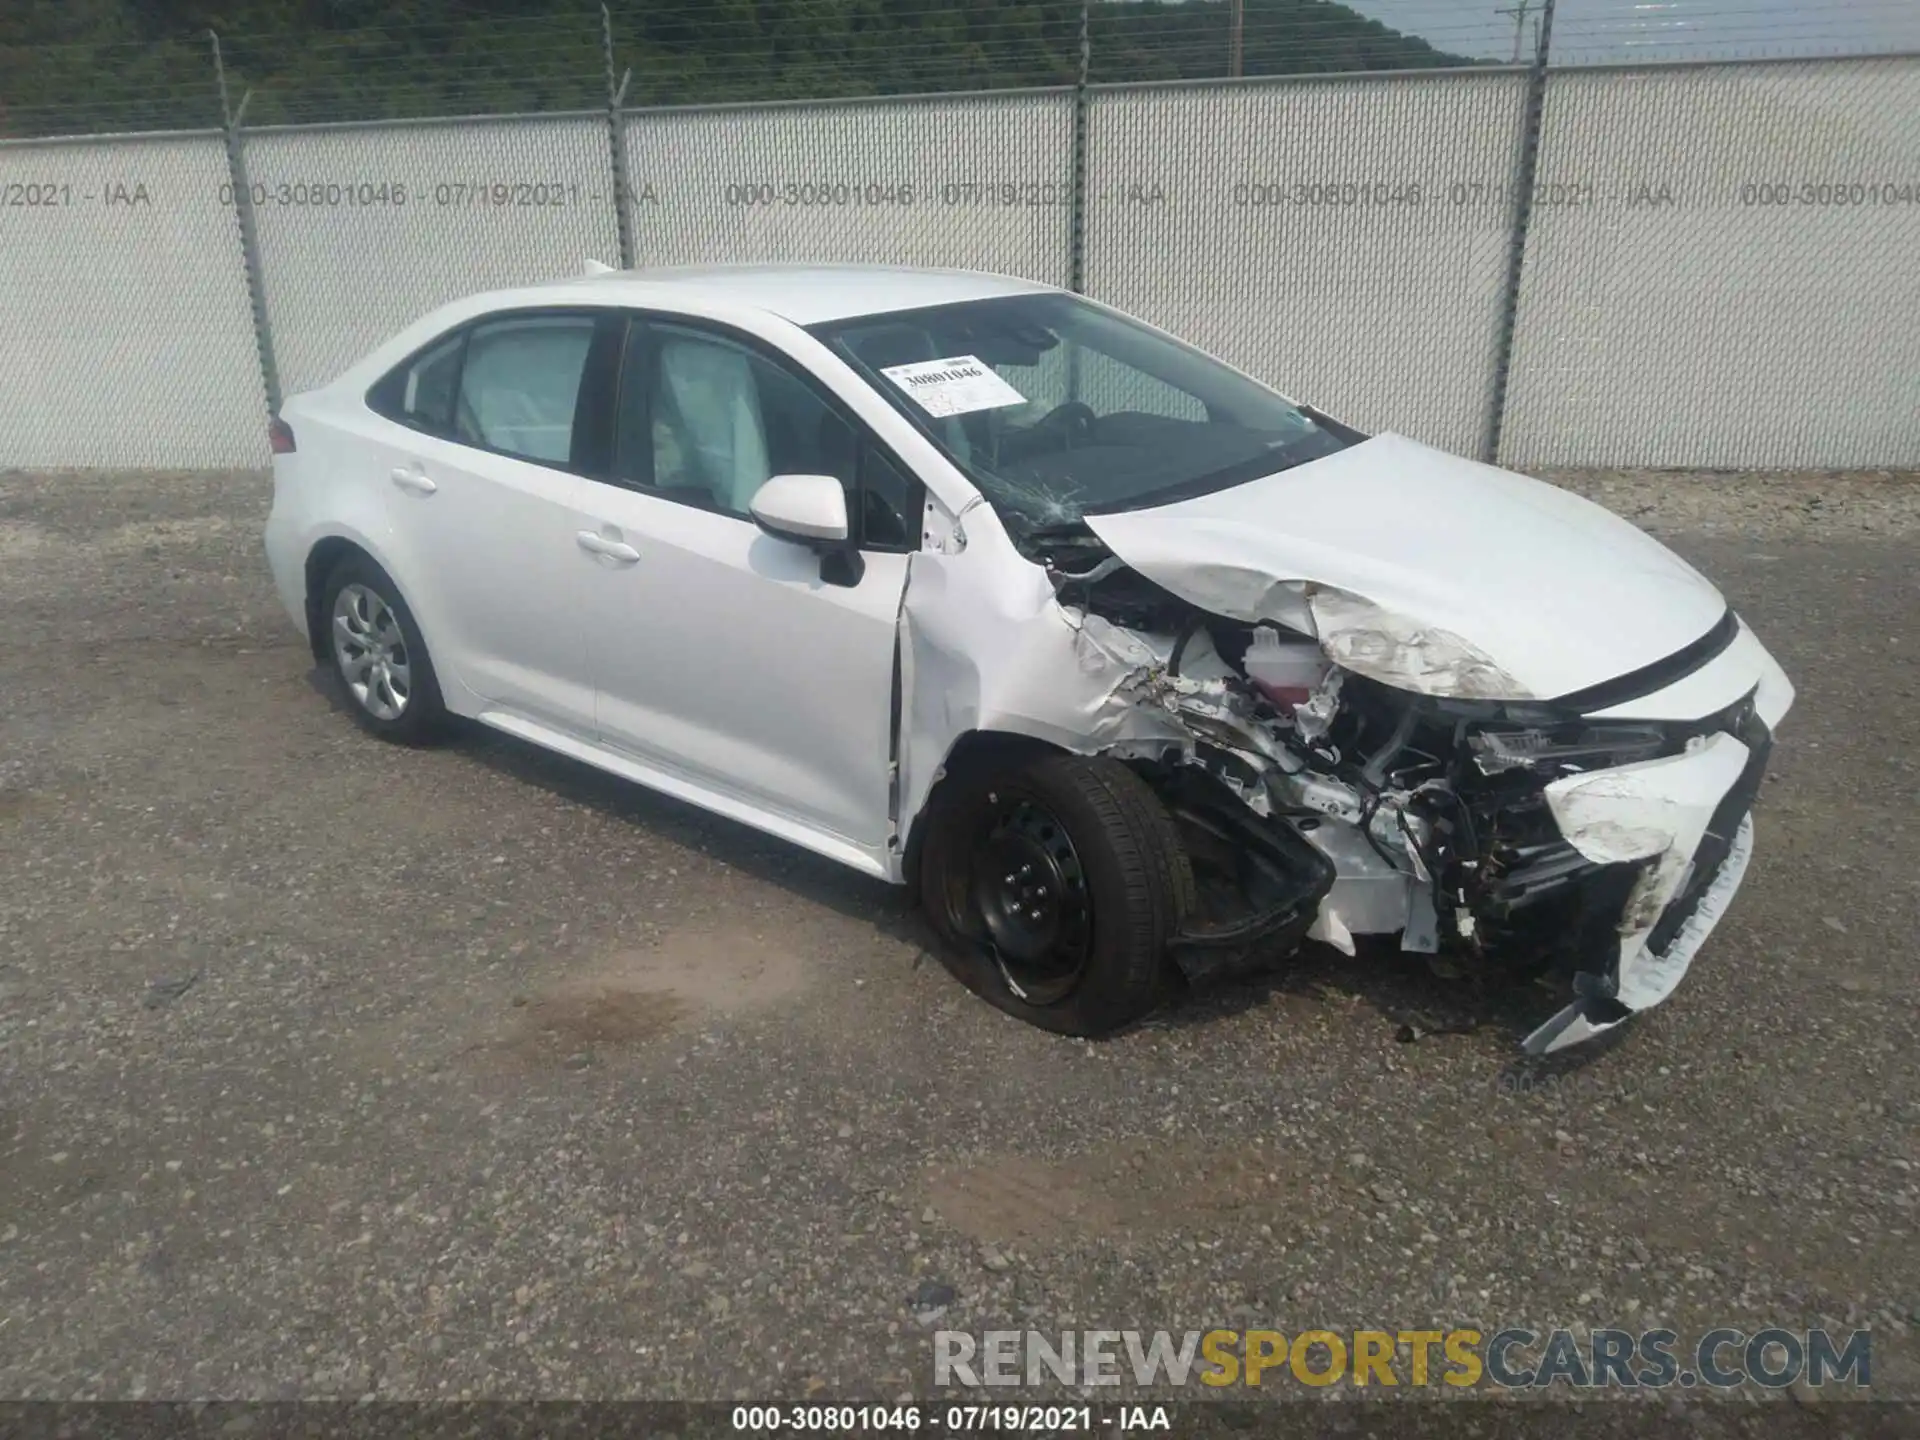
{"x":1057,"y":408}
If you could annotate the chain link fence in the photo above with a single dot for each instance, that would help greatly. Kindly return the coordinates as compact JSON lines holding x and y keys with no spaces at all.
{"x":1315,"y":233}
{"x":364,"y":228}
{"x":898,"y":182}
{"x":1723,"y":269}
{"x":128,"y":339}
{"x":1719,"y":265}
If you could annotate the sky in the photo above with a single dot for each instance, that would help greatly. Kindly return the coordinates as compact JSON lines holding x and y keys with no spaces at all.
{"x":1593,"y":31}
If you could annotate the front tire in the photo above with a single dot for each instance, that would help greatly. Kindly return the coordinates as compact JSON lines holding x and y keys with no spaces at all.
{"x":1054,"y":888}
{"x":378,"y":654}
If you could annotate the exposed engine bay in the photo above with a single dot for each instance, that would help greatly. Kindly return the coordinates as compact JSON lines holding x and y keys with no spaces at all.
{"x":1497,"y":837}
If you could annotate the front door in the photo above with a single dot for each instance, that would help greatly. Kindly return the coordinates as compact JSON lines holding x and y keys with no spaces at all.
{"x":718,"y":651}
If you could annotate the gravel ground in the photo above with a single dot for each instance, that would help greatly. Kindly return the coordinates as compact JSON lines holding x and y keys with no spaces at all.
{"x":333,"y":1069}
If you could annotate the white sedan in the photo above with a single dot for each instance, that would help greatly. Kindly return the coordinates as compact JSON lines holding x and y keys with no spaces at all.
{"x":1128,"y":663}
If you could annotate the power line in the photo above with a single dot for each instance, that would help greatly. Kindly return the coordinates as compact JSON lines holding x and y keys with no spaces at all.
{"x":1519,"y":13}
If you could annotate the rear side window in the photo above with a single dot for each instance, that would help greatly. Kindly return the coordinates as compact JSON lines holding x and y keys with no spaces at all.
{"x":420,"y":392}
{"x":520,"y":385}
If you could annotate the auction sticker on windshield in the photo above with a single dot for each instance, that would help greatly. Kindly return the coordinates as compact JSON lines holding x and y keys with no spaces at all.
{"x":955,"y":386}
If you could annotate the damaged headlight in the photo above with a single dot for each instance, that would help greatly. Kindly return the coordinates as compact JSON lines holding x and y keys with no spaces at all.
{"x":1560,"y":748}
{"x":1401,"y":652}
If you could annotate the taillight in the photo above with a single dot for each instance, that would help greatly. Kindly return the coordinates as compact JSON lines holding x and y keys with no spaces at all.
{"x":280,"y":437}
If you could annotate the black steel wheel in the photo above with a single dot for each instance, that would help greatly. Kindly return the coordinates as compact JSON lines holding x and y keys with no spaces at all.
{"x":1055,"y":887}
{"x":1027,"y":898}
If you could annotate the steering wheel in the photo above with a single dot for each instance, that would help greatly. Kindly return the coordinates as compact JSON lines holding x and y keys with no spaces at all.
{"x":1074,"y":417}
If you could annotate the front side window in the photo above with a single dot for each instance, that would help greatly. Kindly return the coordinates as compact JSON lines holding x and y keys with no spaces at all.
{"x":520,"y":385}
{"x":707,"y":421}
{"x":1057,"y":408}
{"x":891,"y":502}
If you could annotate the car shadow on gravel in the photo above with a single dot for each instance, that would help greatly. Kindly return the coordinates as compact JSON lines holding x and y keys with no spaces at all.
{"x":740,"y":847}
{"x":1414,"y":1005}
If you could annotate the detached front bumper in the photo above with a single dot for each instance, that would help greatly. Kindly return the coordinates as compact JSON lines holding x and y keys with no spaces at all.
{"x":1681,"y":828}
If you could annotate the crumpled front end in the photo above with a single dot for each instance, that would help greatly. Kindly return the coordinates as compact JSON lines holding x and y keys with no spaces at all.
{"x":1603,"y":832}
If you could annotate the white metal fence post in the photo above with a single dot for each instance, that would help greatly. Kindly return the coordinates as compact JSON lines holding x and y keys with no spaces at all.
{"x":1077,"y":221}
{"x":1526,"y":159}
{"x":617,"y":144}
{"x":231,"y":119}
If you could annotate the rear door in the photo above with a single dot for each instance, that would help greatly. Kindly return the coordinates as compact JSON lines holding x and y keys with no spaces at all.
{"x":718,"y":651}
{"x":483,"y":486}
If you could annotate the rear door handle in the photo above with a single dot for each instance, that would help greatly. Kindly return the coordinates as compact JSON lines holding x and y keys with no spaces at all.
{"x":612,"y":549}
{"x":408,"y":478}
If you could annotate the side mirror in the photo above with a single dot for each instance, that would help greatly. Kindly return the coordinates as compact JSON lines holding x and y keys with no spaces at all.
{"x":811,"y":510}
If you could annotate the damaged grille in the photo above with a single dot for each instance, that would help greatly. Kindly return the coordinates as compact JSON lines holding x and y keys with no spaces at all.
{"x":1533,"y":896}
{"x":1522,"y":857}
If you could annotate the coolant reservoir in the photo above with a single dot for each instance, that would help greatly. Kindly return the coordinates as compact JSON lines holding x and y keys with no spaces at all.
{"x":1284,"y":669}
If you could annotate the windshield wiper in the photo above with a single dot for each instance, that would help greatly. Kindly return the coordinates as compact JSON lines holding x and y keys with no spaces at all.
{"x":1069,"y":542}
{"x":1061,"y":530}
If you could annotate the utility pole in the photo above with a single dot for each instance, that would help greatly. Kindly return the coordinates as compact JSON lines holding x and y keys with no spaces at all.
{"x":1235,"y":50}
{"x":1519,"y":13}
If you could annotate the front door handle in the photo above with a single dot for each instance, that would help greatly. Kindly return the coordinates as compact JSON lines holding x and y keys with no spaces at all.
{"x":612,"y":549}
{"x":408,"y":478}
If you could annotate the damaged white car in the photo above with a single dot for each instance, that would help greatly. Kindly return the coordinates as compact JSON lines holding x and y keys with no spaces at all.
{"x":1128,"y":663}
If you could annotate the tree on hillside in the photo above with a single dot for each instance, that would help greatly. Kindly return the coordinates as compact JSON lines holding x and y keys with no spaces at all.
{"x":142,"y":64}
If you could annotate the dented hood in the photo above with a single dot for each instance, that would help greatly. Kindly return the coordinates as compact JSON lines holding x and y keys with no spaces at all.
{"x":1428,"y":572}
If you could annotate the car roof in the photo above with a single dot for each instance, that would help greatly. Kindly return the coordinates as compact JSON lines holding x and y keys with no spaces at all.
{"x":755,"y":297}
{"x":803,"y":294}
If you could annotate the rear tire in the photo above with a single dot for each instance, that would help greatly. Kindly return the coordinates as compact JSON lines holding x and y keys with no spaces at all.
{"x":1054,"y":888}
{"x":378,"y":654}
